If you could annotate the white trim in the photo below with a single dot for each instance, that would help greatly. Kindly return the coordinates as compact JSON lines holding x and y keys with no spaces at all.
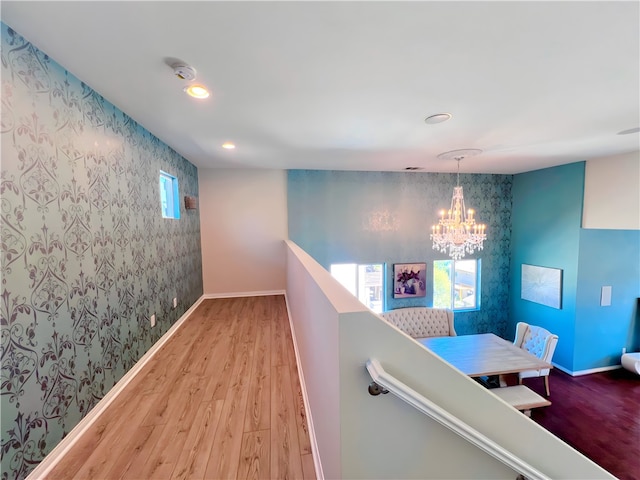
{"x":312,"y":433}
{"x":579,"y":373}
{"x":562,"y":369}
{"x":46,"y":465}
{"x":243,"y":294}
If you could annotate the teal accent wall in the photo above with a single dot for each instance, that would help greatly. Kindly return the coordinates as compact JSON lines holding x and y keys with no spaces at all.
{"x":607,"y":257}
{"x":546,"y":219}
{"x":547,"y":214}
{"x":373,"y":217}
{"x":86,"y":256}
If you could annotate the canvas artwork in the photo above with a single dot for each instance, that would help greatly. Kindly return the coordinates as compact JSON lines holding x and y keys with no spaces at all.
{"x":542,"y":285}
{"x":409,"y":280}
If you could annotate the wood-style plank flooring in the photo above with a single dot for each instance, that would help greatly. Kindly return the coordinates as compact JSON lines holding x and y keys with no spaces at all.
{"x":598,"y":415}
{"x":220,"y":400}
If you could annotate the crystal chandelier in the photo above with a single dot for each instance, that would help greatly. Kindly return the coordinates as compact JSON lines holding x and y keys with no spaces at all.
{"x":457,"y":231}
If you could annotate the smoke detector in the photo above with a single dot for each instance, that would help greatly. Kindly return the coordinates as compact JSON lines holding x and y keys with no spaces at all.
{"x":184,"y":72}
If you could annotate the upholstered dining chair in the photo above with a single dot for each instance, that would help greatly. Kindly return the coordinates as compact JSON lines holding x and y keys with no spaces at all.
{"x":539,"y":342}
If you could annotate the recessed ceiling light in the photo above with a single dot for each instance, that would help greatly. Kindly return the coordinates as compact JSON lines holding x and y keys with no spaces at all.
{"x":631,"y":130}
{"x":228,"y":145}
{"x":197,"y":91}
{"x":437,"y":118}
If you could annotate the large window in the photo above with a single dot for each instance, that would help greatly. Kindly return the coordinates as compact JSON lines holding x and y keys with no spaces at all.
{"x":456,"y":284}
{"x":169,"y":197}
{"x":363,"y":281}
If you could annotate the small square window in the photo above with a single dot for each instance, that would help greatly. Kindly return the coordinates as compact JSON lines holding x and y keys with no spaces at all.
{"x":456,"y":284}
{"x":169,"y":197}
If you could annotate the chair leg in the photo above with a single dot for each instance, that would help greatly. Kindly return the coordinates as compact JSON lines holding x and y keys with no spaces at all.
{"x":546,"y":384}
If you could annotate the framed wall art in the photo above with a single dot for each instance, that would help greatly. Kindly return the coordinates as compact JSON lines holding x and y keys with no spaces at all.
{"x":542,"y":285}
{"x":409,"y":280}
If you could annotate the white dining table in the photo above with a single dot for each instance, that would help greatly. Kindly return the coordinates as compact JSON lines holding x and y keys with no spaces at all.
{"x":483,"y":354}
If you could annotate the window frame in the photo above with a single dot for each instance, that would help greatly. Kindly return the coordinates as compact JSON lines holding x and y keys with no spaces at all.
{"x":359,"y":286}
{"x":169,"y":185}
{"x":452,"y":295}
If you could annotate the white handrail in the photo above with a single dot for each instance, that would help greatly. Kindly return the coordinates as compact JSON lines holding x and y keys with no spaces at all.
{"x":453,"y":423}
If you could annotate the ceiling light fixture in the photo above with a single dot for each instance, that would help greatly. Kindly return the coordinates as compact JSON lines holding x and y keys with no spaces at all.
{"x":197,"y":91}
{"x":438,"y":118}
{"x":228,"y":146}
{"x":457,"y":231}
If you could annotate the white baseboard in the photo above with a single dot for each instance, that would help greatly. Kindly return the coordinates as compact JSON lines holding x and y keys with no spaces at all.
{"x":243,"y":294}
{"x":44,"y":468}
{"x":579,"y":373}
{"x":312,"y":433}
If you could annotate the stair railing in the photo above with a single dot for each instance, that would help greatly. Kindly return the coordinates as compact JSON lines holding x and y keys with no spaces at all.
{"x":385,"y":383}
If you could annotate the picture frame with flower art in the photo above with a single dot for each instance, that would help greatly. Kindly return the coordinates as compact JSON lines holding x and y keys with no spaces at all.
{"x":409,"y":280}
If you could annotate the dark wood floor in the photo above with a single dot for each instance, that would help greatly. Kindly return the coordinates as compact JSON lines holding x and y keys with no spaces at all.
{"x":598,"y":415}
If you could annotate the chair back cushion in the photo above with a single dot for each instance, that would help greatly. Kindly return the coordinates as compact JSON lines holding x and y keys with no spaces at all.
{"x":421,"y":322}
{"x":537,"y":341}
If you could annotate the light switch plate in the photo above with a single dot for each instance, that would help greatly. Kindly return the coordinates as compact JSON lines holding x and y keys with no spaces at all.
{"x":605,"y":296}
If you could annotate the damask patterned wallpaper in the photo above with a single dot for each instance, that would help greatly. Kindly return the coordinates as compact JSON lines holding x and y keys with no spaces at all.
{"x":86,"y":255}
{"x":386,"y":217}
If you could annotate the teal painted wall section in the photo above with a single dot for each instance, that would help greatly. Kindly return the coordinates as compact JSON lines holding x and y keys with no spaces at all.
{"x":546,"y":219}
{"x":607,"y":257}
{"x":367,"y":217}
{"x":86,"y":255}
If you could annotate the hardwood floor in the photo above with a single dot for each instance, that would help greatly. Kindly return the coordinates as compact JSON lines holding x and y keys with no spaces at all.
{"x":598,"y":415}
{"x":220,"y":400}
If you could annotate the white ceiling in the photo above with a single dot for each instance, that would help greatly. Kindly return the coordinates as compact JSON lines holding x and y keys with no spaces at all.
{"x":347,"y":85}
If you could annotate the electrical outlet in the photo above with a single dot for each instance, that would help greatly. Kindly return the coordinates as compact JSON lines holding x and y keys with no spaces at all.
{"x":175,"y":302}
{"x":153,"y":320}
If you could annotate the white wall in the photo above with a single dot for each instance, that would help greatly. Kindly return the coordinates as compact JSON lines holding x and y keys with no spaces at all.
{"x":612,"y":193}
{"x":314,"y":325}
{"x":243,"y":225}
{"x":360,"y":436}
